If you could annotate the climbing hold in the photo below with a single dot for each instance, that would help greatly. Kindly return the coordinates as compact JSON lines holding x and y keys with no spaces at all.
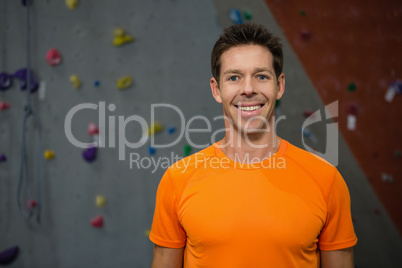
{"x":5,"y":81}
{"x":96,"y":83}
{"x":387,"y":177}
{"x":124,"y":82}
{"x":25,"y":2}
{"x":4,"y":106}
{"x":53,"y":57}
{"x":100,"y":201}
{"x":49,"y":154}
{"x":155,"y":128}
{"x":394,"y":88}
{"x":147,"y":232}
{"x":302,"y":13}
{"x":89,"y":154}
{"x":308,"y":113}
{"x":7,"y":256}
{"x":352,"y":108}
{"x":93,"y":129}
{"x":187,"y":150}
{"x":247,"y":14}
{"x":22,"y":75}
{"x":277,"y":103}
{"x":235,"y":16}
{"x":97,"y":222}
{"x":308,"y":134}
{"x":121,"y":37}
{"x":75,"y":81}
{"x":305,"y":34}
{"x":72,"y":4}
{"x":352,"y":87}
{"x":171,"y":130}
{"x":351,"y":122}
{"x":31,"y":204}
{"x":3,"y":158}
{"x":151,"y":150}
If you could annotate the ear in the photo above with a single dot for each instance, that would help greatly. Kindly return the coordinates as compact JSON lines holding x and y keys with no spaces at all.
{"x":281,"y":86}
{"x":216,"y":93}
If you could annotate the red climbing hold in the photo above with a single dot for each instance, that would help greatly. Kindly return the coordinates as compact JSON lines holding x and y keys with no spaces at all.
{"x":4,"y":106}
{"x":53,"y":57}
{"x":32,"y":204}
{"x":97,"y":222}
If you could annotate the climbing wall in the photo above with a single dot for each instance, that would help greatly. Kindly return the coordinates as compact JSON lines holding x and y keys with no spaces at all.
{"x":168,"y":62}
{"x":112,"y":61}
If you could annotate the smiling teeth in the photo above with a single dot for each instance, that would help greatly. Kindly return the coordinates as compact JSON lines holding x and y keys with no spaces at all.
{"x":249,"y":108}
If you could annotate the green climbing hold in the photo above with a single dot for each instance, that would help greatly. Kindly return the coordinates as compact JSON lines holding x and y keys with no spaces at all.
{"x":352,"y":87}
{"x":277,"y":103}
{"x":302,"y":13}
{"x":187,"y":150}
{"x":247,"y":14}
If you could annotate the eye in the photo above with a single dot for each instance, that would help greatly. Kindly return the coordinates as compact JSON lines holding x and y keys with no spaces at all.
{"x":262,"y":77}
{"x":233,"y":78}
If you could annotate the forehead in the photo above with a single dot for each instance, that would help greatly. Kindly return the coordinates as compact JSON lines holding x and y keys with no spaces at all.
{"x":246,"y":56}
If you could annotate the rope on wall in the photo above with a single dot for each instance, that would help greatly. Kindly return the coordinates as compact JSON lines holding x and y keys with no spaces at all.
{"x":29,"y":211}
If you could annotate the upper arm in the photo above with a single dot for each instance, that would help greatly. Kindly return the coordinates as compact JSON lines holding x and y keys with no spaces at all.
{"x":167,"y":257}
{"x":342,"y":258}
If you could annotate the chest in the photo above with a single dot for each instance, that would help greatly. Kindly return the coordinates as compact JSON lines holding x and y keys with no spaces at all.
{"x":253,"y":206}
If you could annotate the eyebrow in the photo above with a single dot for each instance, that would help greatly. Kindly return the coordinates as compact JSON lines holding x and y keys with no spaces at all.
{"x":237,"y":71}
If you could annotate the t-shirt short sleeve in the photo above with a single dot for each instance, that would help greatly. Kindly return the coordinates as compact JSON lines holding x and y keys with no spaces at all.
{"x":338,"y":232}
{"x":166,"y":229}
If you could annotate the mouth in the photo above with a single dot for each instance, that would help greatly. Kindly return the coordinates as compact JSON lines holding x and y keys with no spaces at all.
{"x":249,"y":108}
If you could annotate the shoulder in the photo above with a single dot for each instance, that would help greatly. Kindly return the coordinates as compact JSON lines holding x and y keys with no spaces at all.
{"x":181,"y":171}
{"x":317,"y":168}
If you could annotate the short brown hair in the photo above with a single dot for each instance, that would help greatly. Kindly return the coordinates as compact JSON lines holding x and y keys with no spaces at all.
{"x":245,"y":34}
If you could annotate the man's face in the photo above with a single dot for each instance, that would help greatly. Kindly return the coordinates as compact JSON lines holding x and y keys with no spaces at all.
{"x":248,"y":88}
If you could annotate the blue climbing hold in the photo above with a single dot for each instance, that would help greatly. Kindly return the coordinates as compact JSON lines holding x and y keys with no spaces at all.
{"x":171,"y":130}
{"x":151,"y":150}
{"x":235,"y":16}
{"x":89,"y":154}
{"x":96,"y":83}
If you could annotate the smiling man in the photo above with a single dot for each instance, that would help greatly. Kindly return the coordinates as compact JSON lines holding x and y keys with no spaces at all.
{"x":251,"y":199}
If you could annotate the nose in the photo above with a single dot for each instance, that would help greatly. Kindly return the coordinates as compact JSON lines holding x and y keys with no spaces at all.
{"x":248,"y":87}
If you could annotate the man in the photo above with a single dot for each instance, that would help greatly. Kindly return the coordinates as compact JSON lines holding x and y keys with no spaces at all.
{"x":252,"y":199}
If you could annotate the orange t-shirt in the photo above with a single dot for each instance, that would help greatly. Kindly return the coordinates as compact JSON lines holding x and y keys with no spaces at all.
{"x":275,"y":213}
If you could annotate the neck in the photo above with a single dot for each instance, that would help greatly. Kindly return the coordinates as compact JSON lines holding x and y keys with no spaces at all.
{"x":257,"y":146}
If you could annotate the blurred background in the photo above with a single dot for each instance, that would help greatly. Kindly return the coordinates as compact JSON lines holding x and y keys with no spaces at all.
{"x":103,"y":65}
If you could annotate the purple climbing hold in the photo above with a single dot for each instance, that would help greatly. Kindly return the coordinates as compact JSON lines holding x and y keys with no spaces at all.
{"x":25,"y":2}
{"x":22,"y":74}
{"x":397,"y":86}
{"x":3,"y":158}
{"x":8,"y":255}
{"x":5,"y":81}
{"x":89,"y":154}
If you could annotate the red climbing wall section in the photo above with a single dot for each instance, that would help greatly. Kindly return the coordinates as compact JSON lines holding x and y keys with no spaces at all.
{"x":359,"y":42}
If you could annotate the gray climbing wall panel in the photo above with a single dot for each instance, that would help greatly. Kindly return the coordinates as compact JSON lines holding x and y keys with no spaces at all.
{"x":169,"y":63}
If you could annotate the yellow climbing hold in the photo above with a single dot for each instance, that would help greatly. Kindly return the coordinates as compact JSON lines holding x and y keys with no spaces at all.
{"x":155,"y":128}
{"x":76,"y":81}
{"x":72,"y":4}
{"x":120,"y":37}
{"x":124,"y":82}
{"x":49,"y":154}
{"x":100,"y":201}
